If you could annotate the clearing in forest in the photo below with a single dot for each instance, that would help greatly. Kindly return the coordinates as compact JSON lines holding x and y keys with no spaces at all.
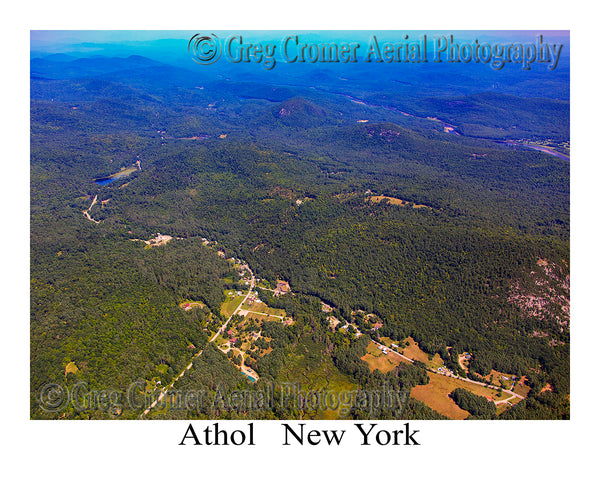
{"x":395,"y":201}
{"x":378,"y":360}
{"x":436,"y":394}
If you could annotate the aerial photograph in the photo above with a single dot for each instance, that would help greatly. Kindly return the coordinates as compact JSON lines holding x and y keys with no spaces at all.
{"x":299,"y":225}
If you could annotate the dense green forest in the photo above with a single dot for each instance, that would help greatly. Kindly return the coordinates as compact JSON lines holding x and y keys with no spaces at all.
{"x":286,"y":183}
{"x":477,"y":406}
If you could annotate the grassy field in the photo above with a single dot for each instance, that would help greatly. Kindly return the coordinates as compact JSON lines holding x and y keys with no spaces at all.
{"x":435,"y":394}
{"x":71,"y":368}
{"x":192,"y":304}
{"x":521,"y":390}
{"x":435,"y":362}
{"x":378,"y":361}
{"x":414,"y":352}
{"x":496,"y":378}
{"x":263,"y":308}
{"x":394,"y":201}
{"x":123,"y":173}
{"x":233,"y":301}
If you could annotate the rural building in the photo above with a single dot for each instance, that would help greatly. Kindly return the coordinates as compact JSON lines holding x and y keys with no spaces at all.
{"x":282,"y":287}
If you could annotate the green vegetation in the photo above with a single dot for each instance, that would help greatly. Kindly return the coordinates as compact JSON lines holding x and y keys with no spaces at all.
{"x":285,"y":191}
{"x":113,"y":310}
{"x":478,"y":407}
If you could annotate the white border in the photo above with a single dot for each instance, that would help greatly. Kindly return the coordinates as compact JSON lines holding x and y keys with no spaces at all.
{"x":452,"y":449}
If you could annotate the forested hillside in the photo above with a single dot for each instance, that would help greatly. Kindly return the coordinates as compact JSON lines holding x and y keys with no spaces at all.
{"x":358,"y":206}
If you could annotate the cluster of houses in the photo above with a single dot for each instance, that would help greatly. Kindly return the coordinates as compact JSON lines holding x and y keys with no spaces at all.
{"x":383,"y":349}
{"x":357,"y":334}
{"x":232,"y":338}
{"x":252,"y":299}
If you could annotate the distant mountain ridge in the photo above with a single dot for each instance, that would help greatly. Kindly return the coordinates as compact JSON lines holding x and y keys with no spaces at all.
{"x":60,"y":66}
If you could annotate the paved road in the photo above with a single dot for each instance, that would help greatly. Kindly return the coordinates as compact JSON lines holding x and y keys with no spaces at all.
{"x":222,"y":329}
{"x":510,"y":392}
{"x":164,"y":390}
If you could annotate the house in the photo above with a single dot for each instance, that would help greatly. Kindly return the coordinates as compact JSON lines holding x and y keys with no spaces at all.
{"x":282,"y":287}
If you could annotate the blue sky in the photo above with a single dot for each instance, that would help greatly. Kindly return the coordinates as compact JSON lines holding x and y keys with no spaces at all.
{"x":41,"y":38}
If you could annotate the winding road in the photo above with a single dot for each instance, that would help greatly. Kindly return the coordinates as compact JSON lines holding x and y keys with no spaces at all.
{"x":164,"y":390}
{"x":510,"y":392}
{"x":87,"y":212}
{"x":222,"y":329}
